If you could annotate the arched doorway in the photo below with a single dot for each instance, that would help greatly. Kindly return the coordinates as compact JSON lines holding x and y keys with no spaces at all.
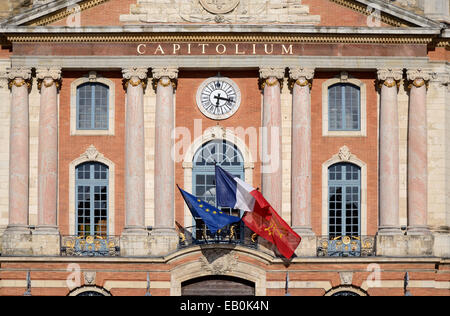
{"x":217,"y":286}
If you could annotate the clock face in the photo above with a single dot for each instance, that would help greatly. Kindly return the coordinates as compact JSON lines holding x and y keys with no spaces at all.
{"x":218,"y":98}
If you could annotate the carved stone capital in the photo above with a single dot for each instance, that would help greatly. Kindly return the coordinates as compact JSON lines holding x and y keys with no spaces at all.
{"x":165,"y":72}
{"x":271,"y":76}
{"x":135,"y":76}
{"x":165,"y":76}
{"x":271,"y":72}
{"x":48,"y":76}
{"x":301,"y":76}
{"x":19,"y":76}
{"x":418,"y":77}
{"x":390,"y":77}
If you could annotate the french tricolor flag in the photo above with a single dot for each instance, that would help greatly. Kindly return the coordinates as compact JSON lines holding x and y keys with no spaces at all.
{"x":233,"y":192}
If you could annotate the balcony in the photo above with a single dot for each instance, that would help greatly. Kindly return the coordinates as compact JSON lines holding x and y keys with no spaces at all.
{"x":234,"y":235}
{"x":90,"y":246}
{"x":346,"y":246}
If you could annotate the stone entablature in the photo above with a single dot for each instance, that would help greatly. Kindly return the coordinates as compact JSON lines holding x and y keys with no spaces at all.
{"x":224,"y":11}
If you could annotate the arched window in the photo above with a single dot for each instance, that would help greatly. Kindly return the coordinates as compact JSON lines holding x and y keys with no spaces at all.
{"x":92,"y":199}
{"x":344,"y":200}
{"x":92,"y":106}
{"x":226,"y":155}
{"x":344,"y":107}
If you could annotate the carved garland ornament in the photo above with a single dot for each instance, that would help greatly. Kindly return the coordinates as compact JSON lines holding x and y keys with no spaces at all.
{"x":219,"y":6}
{"x":418,"y":78}
{"x":19,"y":77}
{"x":271,"y":76}
{"x":165,"y":76}
{"x":48,"y":77}
{"x":301,"y":76}
{"x":390,"y":77}
{"x":135,"y":77}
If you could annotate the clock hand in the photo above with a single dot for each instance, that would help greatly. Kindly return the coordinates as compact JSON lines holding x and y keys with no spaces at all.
{"x":218,"y":98}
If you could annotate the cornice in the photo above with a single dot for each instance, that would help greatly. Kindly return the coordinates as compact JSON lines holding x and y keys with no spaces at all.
{"x":64,"y":13}
{"x":223,"y":38}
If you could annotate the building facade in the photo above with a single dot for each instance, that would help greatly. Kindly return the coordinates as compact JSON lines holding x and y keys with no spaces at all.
{"x":337,"y":110}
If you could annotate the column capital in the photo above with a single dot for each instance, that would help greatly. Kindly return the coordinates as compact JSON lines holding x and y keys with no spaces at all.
{"x":165,"y":76}
{"x":170,"y":72}
{"x":271,"y":76}
{"x":19,"y":76}
{"x":267,"y":72}
{"x":390,"y":77}
{"x":301,"y":76}
{"x":134,"y":75}
{"x":48,"y":73}
{"x":418,"y":77}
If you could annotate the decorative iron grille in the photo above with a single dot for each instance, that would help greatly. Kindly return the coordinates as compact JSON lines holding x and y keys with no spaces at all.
{"x":90,"y":246}
{"x":346,"y":246}
{"x":233,"y":234}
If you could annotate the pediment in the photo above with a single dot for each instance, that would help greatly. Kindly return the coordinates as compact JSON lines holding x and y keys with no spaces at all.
{"x":259,"y":12}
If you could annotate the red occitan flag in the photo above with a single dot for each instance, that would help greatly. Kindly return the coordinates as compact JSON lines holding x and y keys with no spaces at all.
{"x":268,"y":224}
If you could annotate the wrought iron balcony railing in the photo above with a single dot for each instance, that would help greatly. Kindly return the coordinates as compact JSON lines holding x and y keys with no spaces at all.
{"x":346,"y":246}
{"x":234,"y":234}
{"x":90,"y":246}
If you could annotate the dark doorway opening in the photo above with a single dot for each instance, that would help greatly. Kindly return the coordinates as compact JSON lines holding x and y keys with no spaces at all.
{"x":217,"y":286}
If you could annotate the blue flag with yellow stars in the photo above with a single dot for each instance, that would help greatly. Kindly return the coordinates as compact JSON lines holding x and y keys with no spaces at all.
{"x":214,"y":218}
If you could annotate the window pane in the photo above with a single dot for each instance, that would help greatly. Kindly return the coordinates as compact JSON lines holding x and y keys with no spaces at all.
{"x":344,"y":200}
{"x":92,"y":214}
{"x":92,"y":106}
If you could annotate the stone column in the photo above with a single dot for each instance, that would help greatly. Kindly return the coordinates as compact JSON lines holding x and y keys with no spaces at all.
{"x":389,"y":152}
{"x":390,"y":240}
{"x":418,"y":153}
{"x":164,"y":236}
{"x":301,"y":168}
{"x":46,"y":237}
{"x":17,"y":238}
{"x":134,"y":241}
{"x":271,"y":136}
{"x":301,"y":150}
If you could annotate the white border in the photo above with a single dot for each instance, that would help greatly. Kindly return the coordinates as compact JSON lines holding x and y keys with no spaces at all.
{"x":363,"y":110}
{"x":97,"y":157}
{"x":73,"y":106}
{"x":223,"y":116}
{"x":354,"y":160}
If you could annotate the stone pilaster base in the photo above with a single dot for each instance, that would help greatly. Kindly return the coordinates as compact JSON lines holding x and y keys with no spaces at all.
{"x":134,"y":244}
{"x":17,"y":241}
{"x":388,"y":245}
{"x":307,"y":247}
{"x":2,"y":230}
{"x":46,"y":242}
{"x":163,"y":242}
{"x":441,"y":246}
{"x":405,"y":246}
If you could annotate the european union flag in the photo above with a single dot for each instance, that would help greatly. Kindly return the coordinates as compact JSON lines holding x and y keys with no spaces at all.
{"x":214,"y":218}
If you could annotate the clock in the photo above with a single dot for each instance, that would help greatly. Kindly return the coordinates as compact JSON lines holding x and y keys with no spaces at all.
{"x":218,"y":98}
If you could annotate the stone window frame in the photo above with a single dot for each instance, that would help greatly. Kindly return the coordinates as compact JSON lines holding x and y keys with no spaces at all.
{"x":92,"y":155}
{"x":93,"y":77}
{"x":214,"y":133}
{"x":344,"y":78}
{"x":344,"y":156}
